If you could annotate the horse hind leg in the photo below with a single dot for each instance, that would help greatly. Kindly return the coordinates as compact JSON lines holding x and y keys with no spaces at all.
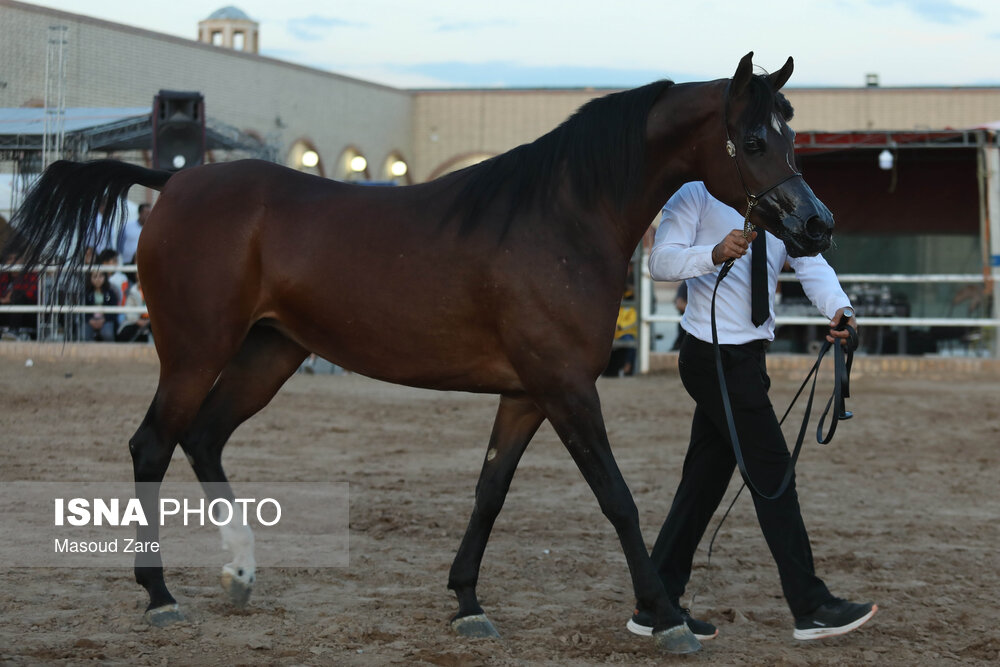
{"x":575,"y":413}
{"x":516,"y":422}
{"x":250,"y":380}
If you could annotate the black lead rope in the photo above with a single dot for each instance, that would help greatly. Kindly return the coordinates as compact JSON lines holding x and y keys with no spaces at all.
{"x":842,"y":365}
{"x":841,"y":391}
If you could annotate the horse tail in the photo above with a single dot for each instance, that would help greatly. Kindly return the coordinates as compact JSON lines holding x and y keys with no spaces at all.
{"x":61,"y":211}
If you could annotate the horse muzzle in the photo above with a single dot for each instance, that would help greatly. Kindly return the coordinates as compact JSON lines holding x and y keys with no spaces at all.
{"x":810,"y":237}
{"x":805,"y":224}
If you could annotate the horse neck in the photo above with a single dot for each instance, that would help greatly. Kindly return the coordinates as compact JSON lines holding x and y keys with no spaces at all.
{"x":683,"y":124}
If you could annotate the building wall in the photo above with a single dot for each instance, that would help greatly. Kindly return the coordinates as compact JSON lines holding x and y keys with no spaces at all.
{"x":451,"y":125}
{"x":434,"y":131}
{"x":841,"y":109}
{"x":114,"y":65}
{"x":448,"y":125}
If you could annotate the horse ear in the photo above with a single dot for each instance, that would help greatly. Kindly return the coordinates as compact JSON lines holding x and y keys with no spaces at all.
{"x":779,"y":78}
{"x":743,"y":73}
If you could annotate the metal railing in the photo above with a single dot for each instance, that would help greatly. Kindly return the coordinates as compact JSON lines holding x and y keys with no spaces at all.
{"x":47,"y":310}
{"x":51,"y":321}
{"x":647,"y":318}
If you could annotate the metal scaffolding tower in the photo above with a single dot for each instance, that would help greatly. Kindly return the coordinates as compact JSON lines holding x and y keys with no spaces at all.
{"x":55,"y":95}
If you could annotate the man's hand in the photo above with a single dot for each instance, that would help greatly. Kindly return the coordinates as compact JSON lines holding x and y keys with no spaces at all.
{"x":843,"y":335}
{"x":733,"y":246}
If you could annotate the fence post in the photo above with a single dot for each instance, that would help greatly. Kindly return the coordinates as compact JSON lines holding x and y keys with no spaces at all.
{"x":991,"y":155}
{"x":645,"y":311}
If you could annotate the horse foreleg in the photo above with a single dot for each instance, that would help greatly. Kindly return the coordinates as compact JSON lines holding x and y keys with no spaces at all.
{"x":266,"y":359}
{"x":150,"y":457}
{"x":516,"y":422}
{"x":575,"y":413}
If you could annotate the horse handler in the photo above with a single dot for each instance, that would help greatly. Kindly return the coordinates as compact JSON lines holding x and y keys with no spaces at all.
{"x":697,"y":234}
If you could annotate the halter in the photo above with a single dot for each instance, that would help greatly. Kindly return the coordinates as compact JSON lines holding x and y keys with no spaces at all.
{"x":752,"y":199}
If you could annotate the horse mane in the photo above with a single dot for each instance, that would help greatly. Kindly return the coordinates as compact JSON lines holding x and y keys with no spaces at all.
{"x":599,"y":151}
{"x":764,"y":101}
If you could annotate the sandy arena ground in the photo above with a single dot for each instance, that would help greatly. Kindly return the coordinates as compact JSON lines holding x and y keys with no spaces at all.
{"x":903,"y":509}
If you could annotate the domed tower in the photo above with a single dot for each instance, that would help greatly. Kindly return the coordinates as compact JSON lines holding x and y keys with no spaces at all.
{"x":230,"y":28}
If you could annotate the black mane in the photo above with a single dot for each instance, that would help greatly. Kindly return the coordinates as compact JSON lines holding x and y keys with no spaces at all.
{"x":600,"y":150}
{"x":764,"y":101}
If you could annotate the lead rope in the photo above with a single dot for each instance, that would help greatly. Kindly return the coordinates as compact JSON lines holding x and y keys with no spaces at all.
{"x":841,"y":390}
{"x":842,"y":367}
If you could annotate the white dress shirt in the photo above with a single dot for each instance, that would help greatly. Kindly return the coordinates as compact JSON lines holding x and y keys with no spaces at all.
{"x":692,"y":224}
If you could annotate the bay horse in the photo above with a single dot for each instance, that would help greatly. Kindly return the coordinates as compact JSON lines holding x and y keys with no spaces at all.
{"x":504,"y":277}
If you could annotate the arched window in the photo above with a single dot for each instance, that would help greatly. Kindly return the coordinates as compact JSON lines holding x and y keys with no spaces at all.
{"x":396,"y":169}
{"x":304,"y":157}
{"x":352,"y":166}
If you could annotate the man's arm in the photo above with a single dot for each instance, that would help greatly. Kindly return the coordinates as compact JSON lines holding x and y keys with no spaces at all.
{"x":674,"y":255}
{"x":819,"y":281}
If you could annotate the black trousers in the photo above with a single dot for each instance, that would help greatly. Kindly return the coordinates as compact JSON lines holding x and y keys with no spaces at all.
{"x":709,"y":465}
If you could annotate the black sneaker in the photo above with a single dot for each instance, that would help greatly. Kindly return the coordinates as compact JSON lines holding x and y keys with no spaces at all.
{"x":836,"y":617}
{"x":641,"y":623}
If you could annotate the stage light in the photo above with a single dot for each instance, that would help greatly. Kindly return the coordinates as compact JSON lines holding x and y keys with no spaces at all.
{"x":398,"y":168}
{"x":359,"y":163}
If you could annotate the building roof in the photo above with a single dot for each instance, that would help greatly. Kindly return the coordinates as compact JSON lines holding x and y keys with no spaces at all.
{"x":31,"y":120}
{"x":106,"y":129}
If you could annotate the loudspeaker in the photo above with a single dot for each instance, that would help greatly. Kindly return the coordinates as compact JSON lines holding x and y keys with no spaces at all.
{"x":178,"y":129}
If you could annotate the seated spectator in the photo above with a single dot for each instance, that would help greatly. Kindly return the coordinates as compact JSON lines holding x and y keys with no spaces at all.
{"x":98,"y":292}
{"x":18,"y":289}
{"x":135,"y":326}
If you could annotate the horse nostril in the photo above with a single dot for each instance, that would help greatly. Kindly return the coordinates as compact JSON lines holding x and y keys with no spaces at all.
{"x":817,"y":227}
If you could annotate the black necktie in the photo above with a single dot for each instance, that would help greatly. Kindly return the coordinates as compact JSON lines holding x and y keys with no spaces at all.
{"x":760,"y":309}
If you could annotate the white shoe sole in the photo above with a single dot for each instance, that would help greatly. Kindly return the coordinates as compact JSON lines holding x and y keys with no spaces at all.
{"x":823,"y":633}
{"x":646,"y":631}
{"x":641,"y":630}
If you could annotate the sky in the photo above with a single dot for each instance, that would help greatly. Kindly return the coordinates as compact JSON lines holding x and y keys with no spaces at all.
{"x":606,"y":43}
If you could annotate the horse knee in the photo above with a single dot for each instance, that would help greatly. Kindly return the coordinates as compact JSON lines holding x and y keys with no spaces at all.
{"x":488,"y":505}
{"x":150,"y":456}
{"x":620,"y":509}
{"x":489,"y":500}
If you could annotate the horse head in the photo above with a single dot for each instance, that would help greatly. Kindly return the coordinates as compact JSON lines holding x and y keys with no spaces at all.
{"x":755,"y":166}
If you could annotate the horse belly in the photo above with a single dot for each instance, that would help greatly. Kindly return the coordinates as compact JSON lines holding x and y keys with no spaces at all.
{"x":401,"y":339}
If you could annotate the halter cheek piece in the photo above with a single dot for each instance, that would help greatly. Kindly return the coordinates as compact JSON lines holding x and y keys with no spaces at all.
{"x":752,"y":199}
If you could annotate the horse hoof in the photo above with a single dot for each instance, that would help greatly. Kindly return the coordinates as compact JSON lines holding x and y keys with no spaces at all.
{"x":163,"y":616}
{"x":678,"y":639}
{"x":475,"y":626}
{"x":238,"y":590}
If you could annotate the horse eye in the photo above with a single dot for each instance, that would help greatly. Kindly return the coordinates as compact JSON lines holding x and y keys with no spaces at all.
{"x":754,"y":145}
